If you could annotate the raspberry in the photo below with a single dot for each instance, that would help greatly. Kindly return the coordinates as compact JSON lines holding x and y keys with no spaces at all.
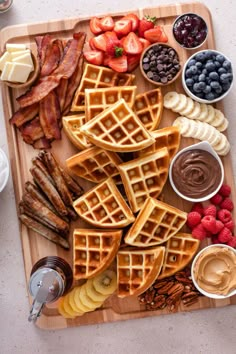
{"x":224,"y":235}
{"x":219,"y":226}
{"x":227,"y":204}
{"x":209,"y":223}
{"x":224,"y":215}
{"x":230,"y":225}
{"x":198,"y":207}
{"x":225,"y":190}
{"x":210,"y":210}
{"x":193,"y":219}
{"x":199,"y":232}
{"x":217,"y":199}
{"x":232,"y":241}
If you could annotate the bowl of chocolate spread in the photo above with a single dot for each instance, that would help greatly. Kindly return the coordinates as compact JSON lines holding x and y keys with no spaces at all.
{"x":196,"y":172}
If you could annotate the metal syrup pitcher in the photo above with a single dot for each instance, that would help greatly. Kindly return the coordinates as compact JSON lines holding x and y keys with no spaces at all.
{"x":50,"y":278}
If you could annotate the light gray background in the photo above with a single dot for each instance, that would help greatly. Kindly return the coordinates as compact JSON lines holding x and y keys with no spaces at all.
{"x":206,"y":331}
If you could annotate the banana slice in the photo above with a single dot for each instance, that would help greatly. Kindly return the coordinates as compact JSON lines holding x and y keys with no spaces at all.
{"x":188,"y":109}
{"x":204,"y":112}
{"x":225,"y":150}
{"x":205,"y":131}
{"x":214,"y":138}
{"x":78,"y":302}
{"x":182,"y":103}
{"x":106,"y":282}
{"x":87,"y":301}
{"x":62,"y":311}
{"x":183,"y":124}
{"x":218,"y":119}
{"x":197,"y":134}
{"x":72,"y":303}
{"x":223,"y":126}
{"x":92,"y":293}
{"x":171,"y":100}
{"x":211,"y":114}
{"x":196,"y":111}
{"x":222,"y":144}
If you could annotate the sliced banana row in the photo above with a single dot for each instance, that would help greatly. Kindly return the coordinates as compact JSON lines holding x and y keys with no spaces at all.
{"x":89,"y":296}
{"x":191,"y":109}
{"x":203,"y":131}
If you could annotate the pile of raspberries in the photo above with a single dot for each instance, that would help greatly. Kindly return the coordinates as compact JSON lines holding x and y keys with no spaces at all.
{"x":214,"y":220}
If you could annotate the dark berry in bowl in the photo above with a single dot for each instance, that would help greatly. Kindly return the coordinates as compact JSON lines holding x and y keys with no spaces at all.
{"x":190,"y":30}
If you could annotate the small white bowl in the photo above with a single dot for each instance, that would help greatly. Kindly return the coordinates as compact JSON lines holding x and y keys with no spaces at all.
{"x":204,"y":145}
{"x":194,"y":97}
{"x":4,"y":170}
{"x":210,"y":295}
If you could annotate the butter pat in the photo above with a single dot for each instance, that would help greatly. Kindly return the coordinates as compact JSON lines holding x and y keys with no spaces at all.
{"x":4,"y":58}
{"x":10,"y":47}
{"x":19,"y":72}
{"x":19,"y":53}
{"x":24,"y":59}
{"x":6,"y":71}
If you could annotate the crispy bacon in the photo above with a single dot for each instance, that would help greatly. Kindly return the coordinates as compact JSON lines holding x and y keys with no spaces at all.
{"x":42,"y":144}
{"x":24,"y":115}
{"x":61,"y":92}
{"x":49,"y":115}
{"x":52,"y":58}
{"x":32,"y":131}
{"x":42,"y":44}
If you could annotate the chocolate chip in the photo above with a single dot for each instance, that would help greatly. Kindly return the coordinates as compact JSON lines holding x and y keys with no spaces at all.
{"x":159,"y":67}
{"x":150,"y":74}
{"x":164,"y":80}
{"x":146,"y":66}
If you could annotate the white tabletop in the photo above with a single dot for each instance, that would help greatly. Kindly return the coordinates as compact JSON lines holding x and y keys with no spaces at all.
{"x":205,"y":331}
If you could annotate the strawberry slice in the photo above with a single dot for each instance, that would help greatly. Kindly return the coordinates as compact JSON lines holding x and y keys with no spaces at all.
{"x":145,"y":24}
{"x":106,"y":59}
{"x":134,"y":19}
{"x":119,"y":64}
{"x":94,"y":25}
{"x":114,"y":47}
{"x":91,"y":43}
{"x":145,"y":42}
{"x":153,"y":35}
{"x":132,"y":44}
{"x":107,"y":23}
{"x":122,"y":27}
{"x":100,"y":42}
{"x":133,"y":62}
{"x":94,"y":57}
{"x":163,"y":38}
{"x":111,"y":35}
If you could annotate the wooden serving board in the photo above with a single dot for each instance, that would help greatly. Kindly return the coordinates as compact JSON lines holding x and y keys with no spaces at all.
{"x":34,"y":246}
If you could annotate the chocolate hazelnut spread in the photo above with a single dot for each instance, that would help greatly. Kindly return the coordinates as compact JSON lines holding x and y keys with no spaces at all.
{"x":215,"y":270}
{"x":196,"y":173}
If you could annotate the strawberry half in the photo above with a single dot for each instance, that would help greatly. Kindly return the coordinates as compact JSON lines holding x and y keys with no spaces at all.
{"x":107,"y":23}
{"x":119,"y":64}
{"x":134,"y":19}
{"x":100,"y":42}
{"x":94,"y":25}
{"x":133,"y":62}
{"x":114,"y":48}
{"x":132,"y":44}
{"x":94,"y":57}
{"x":123,"y":27}
{"x":145,"y":24}
{"x":156,"y":34}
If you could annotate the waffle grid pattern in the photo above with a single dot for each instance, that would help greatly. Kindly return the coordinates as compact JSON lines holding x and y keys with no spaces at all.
{"x":71,"y":125}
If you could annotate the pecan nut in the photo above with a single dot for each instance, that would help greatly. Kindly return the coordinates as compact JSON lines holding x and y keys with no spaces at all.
{"x":176,"y":288}
{"x":164,"y":289}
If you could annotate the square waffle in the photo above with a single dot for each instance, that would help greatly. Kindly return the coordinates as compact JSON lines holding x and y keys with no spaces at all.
{"x":103,"y":206}
{"x":149,"y":106}
{"x":95,"y":164}
{"x":165,"y":137}
{"x":95,"y":76}
{"x":93,"y":251}
{"x":71,"y":126}
{"x":155,"y":224}
{"x":180,"y":250}
{"x":96,"y":100}
{"x":138,"y":269}
{"x":144,"y":177}
{"x":117,"y":128}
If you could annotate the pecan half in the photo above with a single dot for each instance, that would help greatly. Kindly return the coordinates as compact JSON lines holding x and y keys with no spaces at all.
{"x":164,"y":289}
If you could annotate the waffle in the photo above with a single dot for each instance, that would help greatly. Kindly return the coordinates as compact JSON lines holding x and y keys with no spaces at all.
{"x":96,"y":100}
{"x":138,"y":269}
{"x":180,"y":250}
{"x":95,"y":164}
{"x":93,"y":251}
{"x":155,"y":224}
{"x":103,"y":206}
{"x":149,"y":106}
{"x":71,"y":126}
{"x":95,"y":76}
{"x":117,"y":128}
{"x":165,"y":137}
{"x":144,"y":177}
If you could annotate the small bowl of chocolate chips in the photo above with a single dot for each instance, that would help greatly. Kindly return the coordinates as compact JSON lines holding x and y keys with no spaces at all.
{"x":160,"y":64}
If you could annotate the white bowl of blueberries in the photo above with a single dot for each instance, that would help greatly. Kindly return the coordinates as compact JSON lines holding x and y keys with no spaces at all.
{"x":207,"y":76}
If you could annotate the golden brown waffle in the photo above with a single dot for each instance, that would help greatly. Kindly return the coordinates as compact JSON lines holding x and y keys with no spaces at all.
{"x":95,"y":164}
{"x":144,"y":177}
{"x":96,"y":100}
{"x":95,"y":76}
{"x":71,"y":126}
{"x":93,"y":251}
{"x":165,"y":137}
{"x":155,"y":224}
{"x":103,"y":206}
{"x":117,"y":128}
{"x":180,"y":250}
{"x":149,"y":106}
{"x":138,"y":269}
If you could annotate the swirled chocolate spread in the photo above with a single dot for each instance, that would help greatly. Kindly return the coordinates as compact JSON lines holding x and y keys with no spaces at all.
{"x":196,"y":173}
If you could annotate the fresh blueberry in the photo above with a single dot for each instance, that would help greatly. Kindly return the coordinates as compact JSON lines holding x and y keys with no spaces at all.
{"x":226,"y":86}
{"x":215,"y":84}
{"x":189,"y":82}
{"x":220,"y":58}
{"x":229,"y":76}
{"x":202,"y":77}
{"x":200,"y":57}
{"x":210,"y":96}
{"x":208,"y":54}
{"x":200,"y":95}
{"x":188,"y":73}
{"x":224,"y":78}
{"x":195,"y":78}
{"x":217,"y":64}
{"x":222,"y":71}
{"x":227,"y":65}
{"x":204,"y":71}
{"x":214,"y":76}
{"x":207,"y":89}
{"x":196,"y":88}
{"x":193,"y":69}
{"x":191,"y":63}
{"x":210,"y":67}
{"x":218,"y":90}
{"x":201,"y":85}
{"x":198,"y":64}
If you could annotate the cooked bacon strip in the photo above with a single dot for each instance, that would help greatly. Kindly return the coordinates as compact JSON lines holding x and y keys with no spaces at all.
{"x":42,"y":144}
{"x":52,"y":58}
{"x":44,"y":231}
{"x":49,"y":115}
{"x":61,"y":92}
{"x":64,"y":70}
{"x":32,"y":131}
{"x":42,"y":44}
{"x":44,"y":183}
{"x":60,"y":46}
{"x":24,"y":115}
{"x":73,"y":186}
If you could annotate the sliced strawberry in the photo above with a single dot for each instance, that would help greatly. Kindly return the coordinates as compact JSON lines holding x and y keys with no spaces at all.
{"x":122,"y":27}
{"x":106,"y":59}
{"x":94,"y":57}
{"x":153,"y":35}
{"x":145,"y":24}
{"x":94,"y":25}
{"x":119,"y":64}
{"x":133,"y":62}
{"x":100,"y":42}
{"x":144,"y":42}
{"x":114,"y":47}
{"x":134,"y":19}
{"x":132,"y":44}
{"x":111,"y":34}
{"x":163,"y":37}
{"x":91,"y":43}
{"x":107,"y":23}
